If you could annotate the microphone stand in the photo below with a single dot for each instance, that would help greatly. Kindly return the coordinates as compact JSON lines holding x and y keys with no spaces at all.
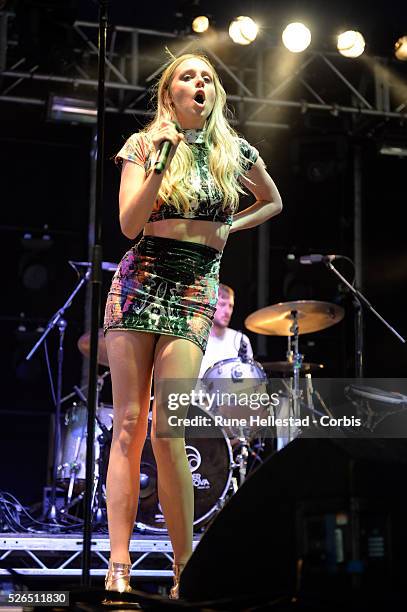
{"x":57,"y":320}
{"x":96,"y":291}
{"x":358,"y":300}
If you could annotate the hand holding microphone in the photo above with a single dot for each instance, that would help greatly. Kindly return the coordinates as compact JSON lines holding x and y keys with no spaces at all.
{"x":166,"y":140}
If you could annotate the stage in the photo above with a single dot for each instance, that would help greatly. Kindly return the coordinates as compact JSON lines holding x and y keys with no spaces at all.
{"x":60,"y":555}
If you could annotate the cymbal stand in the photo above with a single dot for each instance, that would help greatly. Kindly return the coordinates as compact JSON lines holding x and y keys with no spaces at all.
{"x":98,"y":512}
{"x":78,"y":391}
{"x":74,"y":468}
{"x":242,"y":457}
{"x":295,"y":357}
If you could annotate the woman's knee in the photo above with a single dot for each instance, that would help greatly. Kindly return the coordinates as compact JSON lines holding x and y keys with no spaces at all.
{"x":167,"y":448}
{"x":130,"y":428}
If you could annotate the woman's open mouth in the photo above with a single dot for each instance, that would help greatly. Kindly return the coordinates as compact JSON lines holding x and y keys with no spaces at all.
{"x":200,"y":99}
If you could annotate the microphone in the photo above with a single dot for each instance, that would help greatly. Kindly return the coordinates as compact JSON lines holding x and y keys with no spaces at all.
{"x":316,"y":258}
{"x":164,"y":153}
{"x":242,"y":352}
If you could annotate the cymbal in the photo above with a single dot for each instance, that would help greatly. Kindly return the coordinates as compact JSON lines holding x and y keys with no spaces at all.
{"x":285,"y":367}
{"x":84,"y":347}
{"x":277,"y":320}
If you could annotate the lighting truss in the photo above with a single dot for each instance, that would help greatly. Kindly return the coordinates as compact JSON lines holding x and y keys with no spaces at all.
{"x":260,"y":94}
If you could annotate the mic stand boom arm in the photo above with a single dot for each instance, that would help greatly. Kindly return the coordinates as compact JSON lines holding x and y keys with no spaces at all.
{"x":359,"y":297}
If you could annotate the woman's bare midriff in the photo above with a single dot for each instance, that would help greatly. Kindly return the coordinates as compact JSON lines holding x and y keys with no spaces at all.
{"x":209,"y":233}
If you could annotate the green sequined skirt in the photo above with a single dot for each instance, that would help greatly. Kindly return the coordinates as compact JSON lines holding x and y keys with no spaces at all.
{"x":165,"y":286}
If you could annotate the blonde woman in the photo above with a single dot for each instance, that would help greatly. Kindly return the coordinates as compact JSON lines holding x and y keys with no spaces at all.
{"x":163,"y":296}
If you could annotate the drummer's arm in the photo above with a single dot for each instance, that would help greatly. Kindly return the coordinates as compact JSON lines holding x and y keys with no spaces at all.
{"x":268,"y":200}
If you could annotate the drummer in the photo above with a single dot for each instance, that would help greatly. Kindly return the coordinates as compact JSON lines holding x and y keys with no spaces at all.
{"x":224,"y":342}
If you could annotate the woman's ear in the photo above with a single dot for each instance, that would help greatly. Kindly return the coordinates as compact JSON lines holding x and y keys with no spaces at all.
{"x":167,"y":98}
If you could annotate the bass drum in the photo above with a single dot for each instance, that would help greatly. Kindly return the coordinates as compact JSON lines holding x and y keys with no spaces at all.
{"x":211,"y":464}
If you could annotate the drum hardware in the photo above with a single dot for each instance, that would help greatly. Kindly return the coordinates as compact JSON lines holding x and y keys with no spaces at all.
{"x":237,"y":375}
{"x":308,"y":398}
{"x":243,"y":450}
{"x":78,"y":391}
{"x":292,"y":319}
{"x":57,"y":320}
{"x":72,"y":466}
{"x":285,"y":367}
{"x":77,"y":465}
{"x":363,"y":398}
{"x":241,"y":459}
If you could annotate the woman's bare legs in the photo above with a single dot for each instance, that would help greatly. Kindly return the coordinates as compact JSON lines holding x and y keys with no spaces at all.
{"x":131,"y":357}
{"x":175,"y":358}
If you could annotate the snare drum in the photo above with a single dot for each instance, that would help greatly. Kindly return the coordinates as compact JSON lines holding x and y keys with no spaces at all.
{"x":72,"y":456}
{"x":239,"y":390}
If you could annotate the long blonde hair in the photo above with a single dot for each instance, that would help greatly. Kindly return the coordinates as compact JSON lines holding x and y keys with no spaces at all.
{"x":222,"y":141}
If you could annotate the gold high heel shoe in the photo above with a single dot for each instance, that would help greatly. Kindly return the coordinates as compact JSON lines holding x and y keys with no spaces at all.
{"x":177,"y":569}
{"x":118,"y":577}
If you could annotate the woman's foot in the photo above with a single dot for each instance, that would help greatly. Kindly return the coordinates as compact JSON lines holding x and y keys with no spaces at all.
{"x":177,"y":569}
{"x":118,"y":577}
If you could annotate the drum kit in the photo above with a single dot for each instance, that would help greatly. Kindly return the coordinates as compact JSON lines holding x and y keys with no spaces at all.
{"x":216,"y":458}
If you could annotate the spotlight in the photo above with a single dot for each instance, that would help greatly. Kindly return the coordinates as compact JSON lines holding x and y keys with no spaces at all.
{"x":296,"y":37}
{"x":400,"y":49}
{"x":351,"y":43}
{"x":243,"y":30}
{"x":200,"y":24}
{"x":393,"y":149}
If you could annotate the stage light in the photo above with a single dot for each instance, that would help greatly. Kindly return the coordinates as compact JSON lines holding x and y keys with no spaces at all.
{"x":71,"y":110}
{"x":400,"y":48}
{"x":393,"y":149}
{"x":200,"y":24}
{"x":243,"y":30}
{"x":296,"y":37}
{"x":351,"y":43}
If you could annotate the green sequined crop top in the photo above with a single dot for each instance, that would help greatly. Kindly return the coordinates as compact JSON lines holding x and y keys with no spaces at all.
{"x":207,"y":204}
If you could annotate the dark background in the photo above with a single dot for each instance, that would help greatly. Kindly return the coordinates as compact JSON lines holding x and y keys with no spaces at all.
{"x":45,"y":192}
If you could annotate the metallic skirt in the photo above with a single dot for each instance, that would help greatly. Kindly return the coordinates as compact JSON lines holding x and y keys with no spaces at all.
{"x":165,"y":286}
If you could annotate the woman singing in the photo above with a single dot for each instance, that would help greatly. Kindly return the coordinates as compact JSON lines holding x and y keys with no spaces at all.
{"x":163,"y":296}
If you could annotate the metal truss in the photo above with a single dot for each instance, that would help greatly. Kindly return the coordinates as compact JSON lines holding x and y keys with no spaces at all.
{"x":266,"y":84}
{"x":52,"y":555}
